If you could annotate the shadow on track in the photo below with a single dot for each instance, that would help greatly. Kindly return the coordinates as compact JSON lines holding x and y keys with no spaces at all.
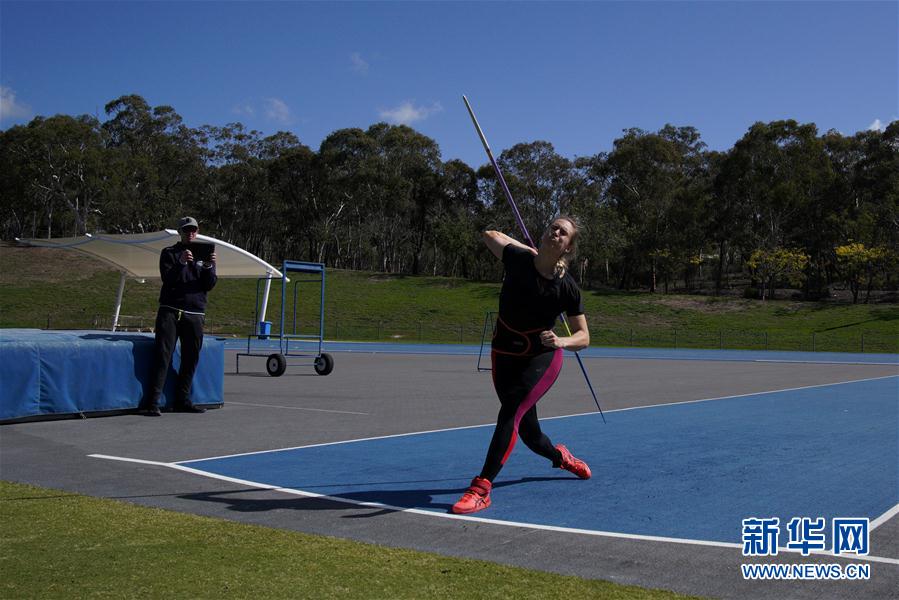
{"x":388,"y":501}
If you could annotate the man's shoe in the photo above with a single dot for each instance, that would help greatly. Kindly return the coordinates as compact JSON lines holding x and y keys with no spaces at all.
{"x":150,"y":411}
{"x":572,"y":464}
{"x":475,"y":498}
{"x":189,"y":408}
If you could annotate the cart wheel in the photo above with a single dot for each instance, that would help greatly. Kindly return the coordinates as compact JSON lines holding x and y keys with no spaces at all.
{"x":276,"y":364}
{"x":324,"y":364}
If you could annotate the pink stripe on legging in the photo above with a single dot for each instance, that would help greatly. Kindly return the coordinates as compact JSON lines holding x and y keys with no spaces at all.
{"x":546,"y":381}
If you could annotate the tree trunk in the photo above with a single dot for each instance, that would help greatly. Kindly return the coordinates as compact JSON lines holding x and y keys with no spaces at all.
{"x":722,"y":252}
{"x":416,"y":257}
{"x":623,"y":282}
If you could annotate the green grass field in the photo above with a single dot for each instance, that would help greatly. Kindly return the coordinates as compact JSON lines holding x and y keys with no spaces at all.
{"x":59,"y":545}
{"x":62,"y":289}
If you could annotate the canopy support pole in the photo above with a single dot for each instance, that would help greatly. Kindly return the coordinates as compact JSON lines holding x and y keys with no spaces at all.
{"x":268,"y":287}
{"x":118,"y":302}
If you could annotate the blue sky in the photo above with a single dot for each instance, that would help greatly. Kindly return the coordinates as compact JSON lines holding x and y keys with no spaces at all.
{"x":574,"y":74}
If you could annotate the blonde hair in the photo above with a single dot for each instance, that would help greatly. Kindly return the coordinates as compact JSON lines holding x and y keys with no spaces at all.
{"x":565,"y":260}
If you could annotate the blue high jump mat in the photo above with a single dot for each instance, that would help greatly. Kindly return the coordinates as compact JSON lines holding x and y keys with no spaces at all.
{"x":691,"y":470}
{"x":45,"y":374}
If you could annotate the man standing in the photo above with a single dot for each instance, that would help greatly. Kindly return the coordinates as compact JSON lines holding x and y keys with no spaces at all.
{"x":182,"y":306}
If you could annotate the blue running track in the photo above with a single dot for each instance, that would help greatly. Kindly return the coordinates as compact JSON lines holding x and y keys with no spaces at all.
{"x":268,"y":346}
{"x":690,"y":470}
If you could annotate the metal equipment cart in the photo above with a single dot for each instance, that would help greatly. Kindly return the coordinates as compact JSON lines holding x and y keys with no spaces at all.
{"x":303,"y":344}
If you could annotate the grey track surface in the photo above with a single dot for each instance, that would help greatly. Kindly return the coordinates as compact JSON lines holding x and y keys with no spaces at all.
{"x":410,"y":393}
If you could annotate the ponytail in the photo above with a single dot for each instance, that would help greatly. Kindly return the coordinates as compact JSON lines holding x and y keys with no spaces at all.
{"x":565,"y":260}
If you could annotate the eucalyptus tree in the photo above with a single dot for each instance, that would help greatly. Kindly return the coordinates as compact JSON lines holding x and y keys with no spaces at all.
{"x":241,"y":200}
{"x":843,"y":154}
{"x":457,"y":219}
{"x":540,"y":181}
{"x":412,"y":166}
{"x":785,"y":182}
{"x":778,"y":168}
{"x":156,"y":161}
{"x":876,"y":220}
{"x":351,"y":183}
{"x":18,"y":206}
{"x":876,"y":182}
{"x":602,"y":238}
{"x":689,"y":214}
{"x":649,"y":177}
{"x":52,"y":177}
{"x":730,"y":211}
{"x":296,"y":184}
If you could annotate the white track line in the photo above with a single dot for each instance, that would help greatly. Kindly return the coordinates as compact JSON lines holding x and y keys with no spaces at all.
{"x":342,"y":412}
{"x":180,"y":465}
{"x":141,"y":461}
{"x":875,"y":523}
{"x":430,"y":513}
{"x":824,"y":362}
{"x":794,"y":389}
{"x":736,"y":359}
{"x":382,"y":437}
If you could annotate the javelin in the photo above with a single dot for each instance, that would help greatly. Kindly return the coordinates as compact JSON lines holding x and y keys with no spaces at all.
{"x":524,"y":230}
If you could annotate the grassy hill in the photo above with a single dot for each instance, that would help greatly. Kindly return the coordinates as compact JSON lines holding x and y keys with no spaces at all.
{"x":61,"y":289}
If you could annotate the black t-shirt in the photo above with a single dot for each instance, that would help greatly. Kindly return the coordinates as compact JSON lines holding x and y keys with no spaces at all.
{"x":530,"y":301}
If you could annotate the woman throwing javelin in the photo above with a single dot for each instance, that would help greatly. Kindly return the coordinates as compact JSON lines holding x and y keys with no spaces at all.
{"x":526,"y":354}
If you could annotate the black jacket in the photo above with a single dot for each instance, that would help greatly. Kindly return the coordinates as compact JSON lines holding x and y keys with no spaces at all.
{"x":184,"y":286}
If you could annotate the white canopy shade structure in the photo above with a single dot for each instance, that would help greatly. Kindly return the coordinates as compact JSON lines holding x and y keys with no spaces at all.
{"x":137,"y":255}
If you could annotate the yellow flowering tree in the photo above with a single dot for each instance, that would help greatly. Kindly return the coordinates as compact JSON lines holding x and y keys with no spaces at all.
{"x":859,"y":264}
{"x":773,"y":265}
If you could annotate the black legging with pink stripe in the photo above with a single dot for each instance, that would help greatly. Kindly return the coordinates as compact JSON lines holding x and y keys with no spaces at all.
{"x":520,"y":381}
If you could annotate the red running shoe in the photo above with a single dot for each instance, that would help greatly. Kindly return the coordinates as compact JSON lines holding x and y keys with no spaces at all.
{"x":572,"y":464}
{"x":475,"y":498}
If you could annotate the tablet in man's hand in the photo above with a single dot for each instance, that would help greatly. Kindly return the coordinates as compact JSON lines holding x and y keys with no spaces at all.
{"x":202,"y":251}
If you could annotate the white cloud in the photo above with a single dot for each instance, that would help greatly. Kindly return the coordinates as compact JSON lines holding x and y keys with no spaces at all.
{"x":877,"y":125}
{"x":244,"y":110}
{"x":360,"y":65}
{"x":407,"y":113}
{"x":10,"y":108}
{"x":278,"y":111}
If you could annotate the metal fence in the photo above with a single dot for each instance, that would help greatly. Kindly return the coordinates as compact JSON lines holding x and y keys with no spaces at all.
{"x":749,"y":339}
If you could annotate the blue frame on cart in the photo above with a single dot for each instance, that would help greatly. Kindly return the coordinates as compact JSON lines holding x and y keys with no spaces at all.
{"x":284,"y":338}
{"x":291,"y":266}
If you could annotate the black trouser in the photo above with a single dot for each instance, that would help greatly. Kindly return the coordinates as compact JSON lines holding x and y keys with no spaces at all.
{"x":172,"y":325}
{"x":520,"y":382}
